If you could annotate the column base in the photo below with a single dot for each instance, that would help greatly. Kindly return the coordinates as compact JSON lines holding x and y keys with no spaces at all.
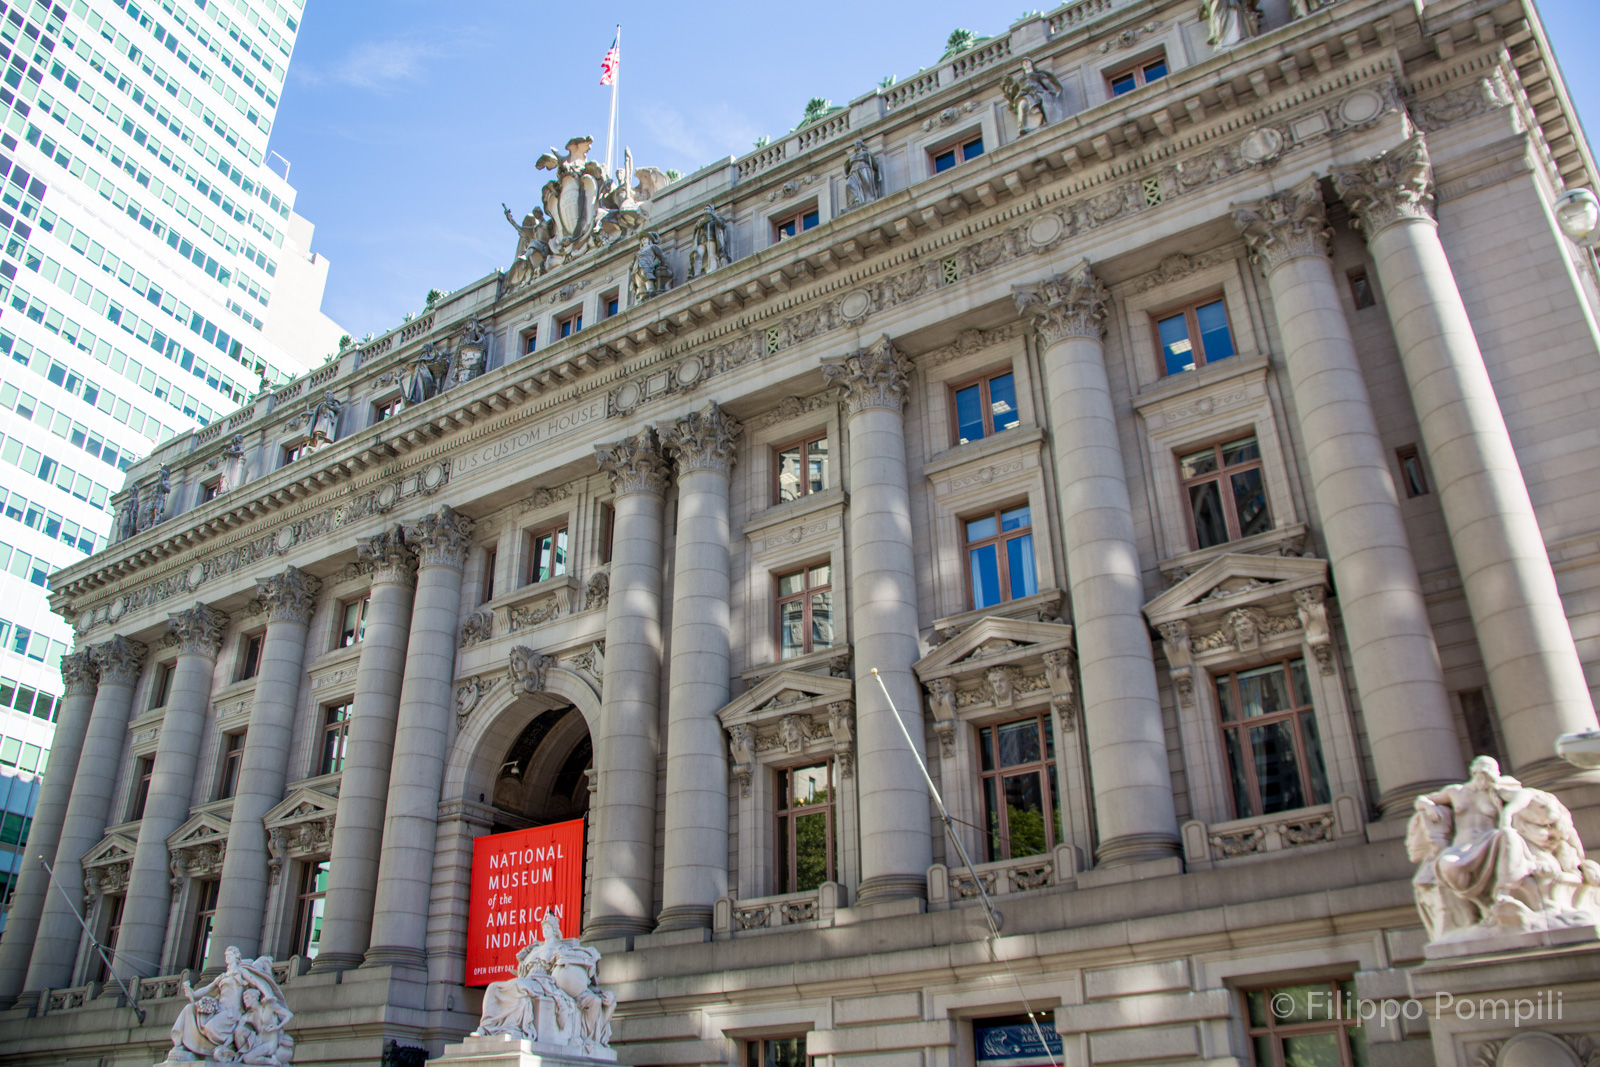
{"x":683,"y":917}
{"x":1552,"y":772}
{"x":882,"y":887}
{"x":333,"y":962}
{"x":27,"y":1000}
{"x":1399,"y":802}
{"x":1136,"y":848}
{"x":396,"y":956}
{"x":603,"y":927}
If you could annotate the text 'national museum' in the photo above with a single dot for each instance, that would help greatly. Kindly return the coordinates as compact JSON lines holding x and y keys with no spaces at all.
{"x":1188,"y":412}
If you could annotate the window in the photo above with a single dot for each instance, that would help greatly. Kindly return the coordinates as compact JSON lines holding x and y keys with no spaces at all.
{"x":232,"y":760}
{"x":610,"y":304}
{"x":805,"y":611}
{"x":985,"y":407}
{"x":209,"y":490}
{"x":490,"y":558}
{"x":608,"y":526}
{"x":1022,"y":814}
{"x":1412,"y":476}
{"x":1194,"y":335}
{"x":385,"y":409}
{"x":805,"y":842}
{"x":530,"y":341}
{"x":568,"y":325}
{"x":112,"y":907}
{"x":801,"y":467}
{"x":293,"y":452}
{"x":776,"y":1052}
{"x":1307,"y":1024}
{"x":1481,"y":731}
{"x":1127,"y":79}
{"x":547,"y":555}
{"x":949,"y":156}
{"x":205,"y":914}
{"x":250,"y":655}
{"x":800,"y":221}
{"x":1361,"y":290}
{"x":1270,"y":735}
{"x":335,"y":731}
{"x":308,"y":910}
{"x":162,"y":690}
{"x":353,"y":621}
{"x":1000,"y":556}
{"x":1227,"y":497}
{"x":143,"y":768}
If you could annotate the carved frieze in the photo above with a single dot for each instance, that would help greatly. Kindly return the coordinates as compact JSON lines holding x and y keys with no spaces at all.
{"x":470,"y":694}
{"x":529,"y":670}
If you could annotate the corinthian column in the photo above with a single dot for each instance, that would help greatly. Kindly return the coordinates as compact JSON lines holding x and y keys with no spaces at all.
{"x":80,"y":677}
{"x":369,"y":750}
{"x":199,"y":632}
{"x":696,"y":849}
{"x":1521,"y":622}
{"x":896,"y":847}
{"x":1396,"y":663}
{"x":623,"y":818}
{"x":242,"y":898}
{"x":1121,"y":709}
{"x":422,"y":738}
{"x":55,"y":948}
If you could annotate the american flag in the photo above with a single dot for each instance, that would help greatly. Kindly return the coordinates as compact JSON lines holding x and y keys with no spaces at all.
{"x":608,"y":66}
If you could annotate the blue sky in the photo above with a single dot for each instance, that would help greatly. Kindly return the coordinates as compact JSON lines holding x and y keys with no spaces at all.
{"x":408,"y":122}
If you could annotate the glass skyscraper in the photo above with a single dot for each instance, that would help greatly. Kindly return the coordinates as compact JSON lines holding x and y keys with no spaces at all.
{"x":154,"y":274}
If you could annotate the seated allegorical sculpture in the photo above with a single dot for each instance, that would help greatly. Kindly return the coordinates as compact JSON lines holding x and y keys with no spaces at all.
{"x":1497,"y":857}
{"x":555,"y":998}
{"x":237,"y":1017}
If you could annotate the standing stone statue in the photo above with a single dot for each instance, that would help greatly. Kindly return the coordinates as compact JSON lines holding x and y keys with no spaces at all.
{"x":863,"y":180}
{"x":153,"y":505}
{"x":424,"y":374}
{"x":128,"y":517}
{"x":472,"y":354}
{"x":1026,"y":92}
{"x":233,"y":463}
{"x":533,"y":246}
{"x":239,"y":1016}
{"x":322,"y":420}
{"x":1230,"y":21}
{"x":651,"y":274}
{"x":710,"y":249}
{"x":1497,"y":858}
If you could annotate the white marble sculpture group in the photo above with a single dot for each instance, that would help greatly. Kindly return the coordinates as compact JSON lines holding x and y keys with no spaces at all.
{"x":1498,"y":858}
{"x":237,"y":1017}
{"x":554,"y":999}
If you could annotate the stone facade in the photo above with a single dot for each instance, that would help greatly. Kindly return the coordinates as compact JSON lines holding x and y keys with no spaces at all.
{"x":1263,"y":390}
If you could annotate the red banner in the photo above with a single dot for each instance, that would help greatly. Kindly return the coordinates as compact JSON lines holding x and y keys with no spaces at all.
{"x":516,"y":878}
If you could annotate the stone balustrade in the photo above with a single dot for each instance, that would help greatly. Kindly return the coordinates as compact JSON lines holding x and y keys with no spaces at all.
{"x":952,"y":886}
{"x":1321,"y":825}
{"x":814,"y":909}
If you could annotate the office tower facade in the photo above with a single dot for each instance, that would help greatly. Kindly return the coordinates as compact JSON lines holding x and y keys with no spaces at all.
{"x":153,"y":272}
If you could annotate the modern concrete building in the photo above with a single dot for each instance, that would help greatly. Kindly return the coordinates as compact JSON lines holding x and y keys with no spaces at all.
{"x":154,"y":269}
{"x":1189,"y":416}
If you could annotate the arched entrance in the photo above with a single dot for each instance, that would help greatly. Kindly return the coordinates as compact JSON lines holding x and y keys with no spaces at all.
{"x":541,"y":775}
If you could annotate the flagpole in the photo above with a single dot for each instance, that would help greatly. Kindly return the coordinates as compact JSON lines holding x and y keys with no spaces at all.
{"x":616,"y":73}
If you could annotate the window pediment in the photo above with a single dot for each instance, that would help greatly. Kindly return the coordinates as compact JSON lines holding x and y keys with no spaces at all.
{"x":113,"y":848}
{"x":300,"y":825}
{"x":1000,"y":665}
{"x":106,"y":866}
{"x":1236,"y":580}
{"x":196,"y":848}
{"x":791,"y":715}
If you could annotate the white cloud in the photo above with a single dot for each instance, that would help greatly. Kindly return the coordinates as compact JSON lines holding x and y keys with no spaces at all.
{"x":384,"y":65}
{"x":708,"y":134}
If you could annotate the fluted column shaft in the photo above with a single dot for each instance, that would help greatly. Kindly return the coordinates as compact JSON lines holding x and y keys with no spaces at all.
{"x":55,"y":947}
{"x":421,"y":742}
{"x":627,"y":745}
{"x":33,"y":882}
{"x":148,"y":904}
{"x":1134,"y":809}
{"x":242,"y":898}
{"x":1392,"y":651}
{"x":896,"y":847}
{"x":1534,"y":671}
{"x":696,"y":852}
{"x":369,"y":750}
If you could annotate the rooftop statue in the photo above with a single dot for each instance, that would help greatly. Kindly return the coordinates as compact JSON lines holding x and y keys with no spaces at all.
{"x":424,"y":374}
{"x":1498,"y":858}
{"x":533,"y":246}
{"x":710,"y":249}
{"x":1230,"y":21}
{"x":863,"y":179}
{"x":651,"y":274}
{"x":572,"y":198}
{"x":239,"y":1016}
{"x":1026,"y":91}
{"x":322,"y":420}
{"x":555,"y":999}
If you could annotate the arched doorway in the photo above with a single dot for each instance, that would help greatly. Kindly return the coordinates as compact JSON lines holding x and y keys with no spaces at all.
{"x":541,"y":776}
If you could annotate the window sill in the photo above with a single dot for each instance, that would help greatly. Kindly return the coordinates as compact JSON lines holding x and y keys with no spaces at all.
{"x":322,"y":783}
{"x":223,"y":807}
{"x":790,"y":510}
{"x":334,"y":657}
{"x":810,"y":662}
{"x":1046,"y":602}
{"x":1284,"y":541}
{"x":983,"y":448}
{"x":1170,"y":386}
{"x":563,"y":587}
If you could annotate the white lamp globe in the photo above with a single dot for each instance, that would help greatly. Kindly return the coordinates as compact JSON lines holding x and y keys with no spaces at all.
{"x":1578,"y":215}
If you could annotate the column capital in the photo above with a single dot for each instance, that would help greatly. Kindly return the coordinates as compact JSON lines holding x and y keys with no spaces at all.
{"x":119,"y":660}
{"x":636,"y":464}
{"x":1395,"y":185}
{"x":877,"y":376}
{"x":290,"y":596}
{"x":1066,"y":305}
{"x":1285,"y":225}
{"x":198,"y":629}
{"x":441,"y":538}
{"x":78,"y":672}
{"x":391,"y":559}
{"x":703,"y":440}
